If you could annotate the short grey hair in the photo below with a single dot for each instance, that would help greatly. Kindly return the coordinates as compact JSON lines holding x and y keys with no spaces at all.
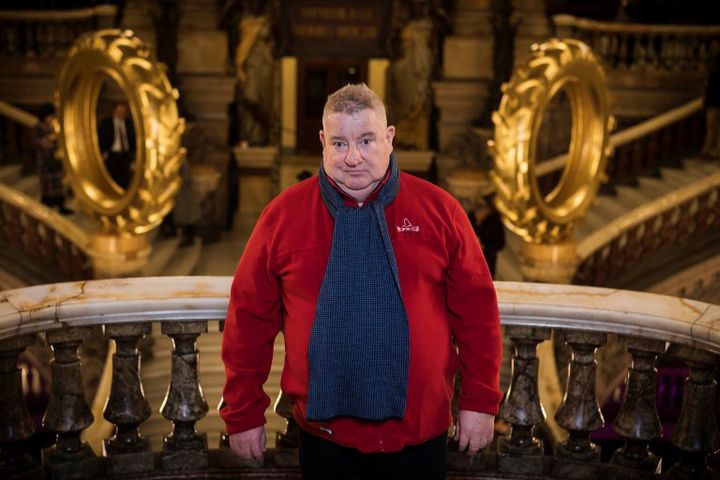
{"x":353,"y":98}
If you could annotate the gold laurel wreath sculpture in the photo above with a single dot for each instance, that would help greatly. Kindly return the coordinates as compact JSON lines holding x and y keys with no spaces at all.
{"x":554,"y":65}
{"x":124,"y":58}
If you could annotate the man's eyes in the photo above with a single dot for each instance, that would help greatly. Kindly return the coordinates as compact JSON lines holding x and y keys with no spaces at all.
{"x":342,"y":145}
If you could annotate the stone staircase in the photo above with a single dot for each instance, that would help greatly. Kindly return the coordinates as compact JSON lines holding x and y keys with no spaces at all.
{"x":608,"y":208}
{"x":169,"y":256}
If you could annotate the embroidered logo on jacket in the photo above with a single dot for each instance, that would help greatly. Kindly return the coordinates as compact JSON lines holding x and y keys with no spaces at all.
{"x":408,"y":227}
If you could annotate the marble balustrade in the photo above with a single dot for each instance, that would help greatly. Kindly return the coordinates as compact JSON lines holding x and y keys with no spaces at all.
{"x":49,"y":33}
{"x":582,"y":317}
{"x":35,"y":231}
{"x":637,"y":46}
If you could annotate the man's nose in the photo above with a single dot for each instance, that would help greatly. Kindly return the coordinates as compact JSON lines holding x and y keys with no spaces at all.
{"x":353,"y":156}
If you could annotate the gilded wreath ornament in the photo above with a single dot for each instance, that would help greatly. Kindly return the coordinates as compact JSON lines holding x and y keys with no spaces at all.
{"x":124,"y":58}
{"x":554,"y":65}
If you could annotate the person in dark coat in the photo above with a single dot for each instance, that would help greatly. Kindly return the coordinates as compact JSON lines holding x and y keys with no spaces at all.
{"x":488,"y":226}
{"x":711,"y":147}
{"x":116,"y":137}
{"x":49,"y":166}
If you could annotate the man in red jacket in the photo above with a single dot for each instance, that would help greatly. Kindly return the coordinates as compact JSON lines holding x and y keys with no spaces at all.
{"x":378,"y":283}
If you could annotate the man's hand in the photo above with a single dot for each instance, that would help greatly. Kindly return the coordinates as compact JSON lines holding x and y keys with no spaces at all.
{"x":250,"y":444}
{"x":474,"y":430}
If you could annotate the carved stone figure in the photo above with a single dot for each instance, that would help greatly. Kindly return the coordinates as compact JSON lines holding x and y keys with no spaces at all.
{"x":255,"y":72}
{"x":410,"y":76}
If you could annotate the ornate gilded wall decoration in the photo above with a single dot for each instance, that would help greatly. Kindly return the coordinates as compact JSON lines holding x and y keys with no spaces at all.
{"x":554,"y":65}
{"x":151,"y":102}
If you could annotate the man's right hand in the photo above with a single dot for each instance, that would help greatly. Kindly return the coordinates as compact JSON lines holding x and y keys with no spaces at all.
{"x":250,"y":444}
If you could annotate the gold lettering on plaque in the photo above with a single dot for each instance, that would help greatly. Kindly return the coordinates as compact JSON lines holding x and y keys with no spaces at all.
{"x":314,"y":31}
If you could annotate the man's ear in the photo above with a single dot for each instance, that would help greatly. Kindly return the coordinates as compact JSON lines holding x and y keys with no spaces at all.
{"x":390,"y":134}
{"x":322,"y":138}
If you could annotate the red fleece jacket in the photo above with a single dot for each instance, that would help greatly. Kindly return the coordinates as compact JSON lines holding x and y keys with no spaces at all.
{"x":446,"y":288}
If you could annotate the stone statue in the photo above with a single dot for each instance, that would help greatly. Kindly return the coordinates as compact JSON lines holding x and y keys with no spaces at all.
{"x":410,"y":77}
{"x":255,"y":73}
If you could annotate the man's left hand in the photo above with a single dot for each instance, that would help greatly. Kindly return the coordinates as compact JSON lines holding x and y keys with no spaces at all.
{"x":474,"y":430}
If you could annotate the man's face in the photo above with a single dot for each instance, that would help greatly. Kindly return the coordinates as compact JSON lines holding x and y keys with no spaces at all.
{"x":356,"y":150}
{"x":121,"y":111}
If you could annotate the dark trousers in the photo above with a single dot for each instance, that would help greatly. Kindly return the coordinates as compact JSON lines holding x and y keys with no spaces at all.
{"x":321,"y":459}
{"x":118,"y":166}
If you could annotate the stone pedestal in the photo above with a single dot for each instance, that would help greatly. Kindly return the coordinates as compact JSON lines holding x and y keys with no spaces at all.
{"x":549,"y":263}
{"x":467,"y":70}
{"x":292,"y":165}
{"x":416,"y":162}
{"x":258,"y":170}
{"x":136,"y":17}
{"x":205,"y":180}
{"x":533,"y":26}
{"x":460,"y":102}
{"x":468,"y":186}
{"x":118,"y":256}
{"x":207,"y":97}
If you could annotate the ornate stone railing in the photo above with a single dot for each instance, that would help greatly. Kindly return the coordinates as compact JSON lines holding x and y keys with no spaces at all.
{"x":654,"y":227}
{"x":642,"y":149}
{"x":30,"y":230}
{"x":641,"y":46}
{"x":582,"y":317}
{"x":49,"y":33}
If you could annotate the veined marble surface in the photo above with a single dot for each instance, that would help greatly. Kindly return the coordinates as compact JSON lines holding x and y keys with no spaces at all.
{"x":44,"y":307}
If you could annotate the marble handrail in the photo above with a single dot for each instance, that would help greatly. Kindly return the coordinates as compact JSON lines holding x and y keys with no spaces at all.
{"x":48,"y":16}
{"x":18,"y":115}
{"x":187,"y":299}
{"x":571,"y":21}
{"x":581,"y":317}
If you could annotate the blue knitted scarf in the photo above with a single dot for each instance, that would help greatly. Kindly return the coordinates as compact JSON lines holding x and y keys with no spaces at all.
{"x":359,"y":345}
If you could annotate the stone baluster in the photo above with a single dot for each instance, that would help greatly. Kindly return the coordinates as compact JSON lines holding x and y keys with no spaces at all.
{"x":639,"y":52}
{"x":579,"y":413}
{"x":522,"y":452}
{"x":68,"y":413}
{"x":638,"y":421}
{"x":614,"y":52}
{"x":127,"y":407}
{"x":622,"y":51}
{"x":696,"y":433}
{"x":653,"y":50}
{"x":184,"y":448}
{"x":16,"y":426}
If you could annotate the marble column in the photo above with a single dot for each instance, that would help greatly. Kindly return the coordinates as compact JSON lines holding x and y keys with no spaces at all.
{"x":185,"y":448}
{"x":127,"y":407}
{"x":68,"y":413}
{"x":16,"y":426}
{"x":638,"y":421}
{"x":522,"y":452}
{"x":696,"y":433}
{"x":579,"y":413}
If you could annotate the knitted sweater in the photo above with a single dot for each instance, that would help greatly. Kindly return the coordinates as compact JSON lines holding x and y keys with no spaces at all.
{"x":447,"y":292}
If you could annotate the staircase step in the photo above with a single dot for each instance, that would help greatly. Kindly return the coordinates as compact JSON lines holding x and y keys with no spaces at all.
{"x":654,"y":187}
{"x":163,"y":251}
{"x":9,"y":174}
{"x":29,"y":185}
{"x":702,"y":167}
{"x":184,"y":260}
